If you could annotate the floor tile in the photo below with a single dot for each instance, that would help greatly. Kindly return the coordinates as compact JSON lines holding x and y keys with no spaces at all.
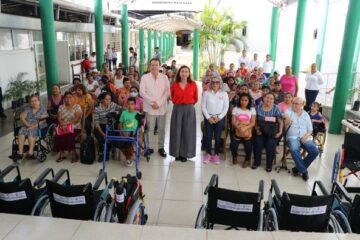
{"x":183,"y":191}
{"x":179,"y":212}
{"x":8,"y":223}
{"x":165,"y":233}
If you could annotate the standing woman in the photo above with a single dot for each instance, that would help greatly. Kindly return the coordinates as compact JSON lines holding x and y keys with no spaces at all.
{"x":313,"y":81}
{"x":214,"y":105}
{"x":184,"y":94}
{"x":289,"y":82}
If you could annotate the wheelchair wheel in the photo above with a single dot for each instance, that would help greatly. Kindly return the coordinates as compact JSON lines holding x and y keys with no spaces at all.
{"x":50,"y":137}
{"x":100,"y":212}
{"x":136,"y":214}
{"x":201,"y":217}
{"x":270,"y":222}
{"x":42,"y":207}
{"x":41,"y":157}
{"x":336,"y":166}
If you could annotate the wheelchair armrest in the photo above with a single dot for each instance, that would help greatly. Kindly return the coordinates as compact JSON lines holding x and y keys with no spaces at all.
{"x":41,"y":179}
{"x":8,"y":169}
{"x":338,"y":188}
{"x":275,"y":187}
{"x":261,"y":190}
{"x":100,"y":179}
{"x":87,"y":186}
{"x":322,"y":188}
{"x":214,"y":181}
{"x":60,"y":173}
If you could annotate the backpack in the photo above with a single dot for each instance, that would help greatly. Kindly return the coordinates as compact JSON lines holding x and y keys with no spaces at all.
{"x":87,"y":150}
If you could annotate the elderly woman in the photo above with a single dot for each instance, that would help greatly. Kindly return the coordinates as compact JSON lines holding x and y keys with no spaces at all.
{"x":268,"y":129}
{"x":85,"y":101}
{"x":30,"y":118}
{"x":214,"y":105}
{"x":54,"y":101}
{"x":69,"y":116}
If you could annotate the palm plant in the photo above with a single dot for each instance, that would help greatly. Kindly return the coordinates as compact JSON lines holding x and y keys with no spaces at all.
{"x":18,"y":87}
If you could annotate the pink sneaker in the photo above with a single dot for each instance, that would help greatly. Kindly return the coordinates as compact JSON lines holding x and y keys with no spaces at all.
{"x":216,"y":159}
{"x":207,"y":158}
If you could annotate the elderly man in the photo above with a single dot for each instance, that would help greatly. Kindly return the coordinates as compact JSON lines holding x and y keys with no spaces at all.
{"x":155,"y":90}
{"x":298,"y":136}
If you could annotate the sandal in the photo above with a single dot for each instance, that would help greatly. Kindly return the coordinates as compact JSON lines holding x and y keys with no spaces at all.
{"x":245,"y":164}
{"x":74,"y":158}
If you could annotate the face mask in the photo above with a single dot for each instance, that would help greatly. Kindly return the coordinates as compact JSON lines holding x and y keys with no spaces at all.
{"x":133,"y":94}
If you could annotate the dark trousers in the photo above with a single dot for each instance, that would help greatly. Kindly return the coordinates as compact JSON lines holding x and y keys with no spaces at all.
{"x":310,"y":97}
{"x":110,"y":64}
{"x":1,"y":98}
{"x":213,"y":130}
{"x":234,"y":145}
{"x":114,"y":61}
{"x":269,"y":143}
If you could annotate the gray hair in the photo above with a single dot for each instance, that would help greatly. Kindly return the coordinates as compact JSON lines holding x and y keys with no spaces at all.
{"x":221,"y":83}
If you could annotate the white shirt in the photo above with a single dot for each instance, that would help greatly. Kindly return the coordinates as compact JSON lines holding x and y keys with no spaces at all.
{"x":245,"y":60}
{"x":91,"y":87}
{"x":215,"y":104}
{"x":93,"y":62}
{"x":267,"y":66}
{"x":254,"y":64}
{"x":243,"y":115}
{"x":108,"y":54}
{"x":313,"y":81}
{"x":119,"y":82}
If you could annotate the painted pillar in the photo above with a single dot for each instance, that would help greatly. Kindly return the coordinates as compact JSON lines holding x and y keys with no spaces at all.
{"x":196,"y":54}
{"x":345,"y":66}
{"x":124,"y":36}
{"x":161,"y":46}
{"x":99,"y":34}
{"x":141,"y":50}
{"x":298,"y":38}
{"x":149,"y":41}
{"x":355,"y":61}
{"x":49,"y":43}
{"x":321,"y":35}
{"x":274,"y":34}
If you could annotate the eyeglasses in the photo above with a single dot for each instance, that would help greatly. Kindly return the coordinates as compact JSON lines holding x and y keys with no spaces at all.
{"x":295,"y":103}
{"x":217,"y":82}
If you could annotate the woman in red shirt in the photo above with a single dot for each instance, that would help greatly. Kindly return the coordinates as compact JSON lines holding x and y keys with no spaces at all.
{"x":184,"y":94}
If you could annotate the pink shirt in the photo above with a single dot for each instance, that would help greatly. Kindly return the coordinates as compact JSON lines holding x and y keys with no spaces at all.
{"x":283,"y":107}
{"x":155,"y":90}
{"x":288,"y":84}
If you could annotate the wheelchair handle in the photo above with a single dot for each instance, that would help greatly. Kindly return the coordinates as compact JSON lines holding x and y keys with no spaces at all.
{"x":341,"y":189}
{"x":214,"y":181}
{"x":275,"y":187}
{"x":261,"y":190}
{"x":41,"y":179}
{"x":322,"y":188}
{"x":8,"y":169}
{"x":100,"y":179}
{"x":60,"y":173}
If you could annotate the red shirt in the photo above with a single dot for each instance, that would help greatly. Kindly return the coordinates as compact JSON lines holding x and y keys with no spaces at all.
{"x":86,"y":64}
{"x":180,"y":96}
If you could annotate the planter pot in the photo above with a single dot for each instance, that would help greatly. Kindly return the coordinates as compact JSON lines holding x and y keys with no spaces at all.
{"x":356,"y":105}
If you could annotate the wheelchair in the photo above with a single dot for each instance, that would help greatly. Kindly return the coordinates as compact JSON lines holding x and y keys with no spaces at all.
{"x":294,"y":212}
{"x":20,"y":196}
{"x":234,"y":209}
{"x":80,"y":202}
{"x":347,"y":162}
{"x":128,"y":205}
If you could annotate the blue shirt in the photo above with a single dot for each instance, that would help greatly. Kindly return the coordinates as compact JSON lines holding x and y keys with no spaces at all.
{"x":300,"y":125}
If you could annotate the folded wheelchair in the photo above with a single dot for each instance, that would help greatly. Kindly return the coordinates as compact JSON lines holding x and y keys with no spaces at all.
{"x":293,"y":212}
{"x":233,"y":209}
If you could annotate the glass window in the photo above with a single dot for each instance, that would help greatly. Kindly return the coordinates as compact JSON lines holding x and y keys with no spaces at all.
{"x":21,"y":39}
{"x":5,"y":39}
{"x":71,"y":46}
{"x":37,"y":37}
{"x":77,"y":37}
{"x":61,"y":36}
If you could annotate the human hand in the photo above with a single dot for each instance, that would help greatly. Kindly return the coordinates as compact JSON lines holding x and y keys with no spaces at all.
{"x":211,"y":120}
{"x":278,"y":135}
{"x":304,"y":139}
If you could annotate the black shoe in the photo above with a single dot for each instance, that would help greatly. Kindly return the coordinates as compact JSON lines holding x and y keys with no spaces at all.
{"x":254,"y":166}
{"x":148,"y":152}
{"x":305,"y":176}
{"x":268,"y":169}
{"x":18,"y":156}
{"x":177,"y":159}
{"x":183,"y":159}
{"x":294,"y":171}
{"x":31,"y":157}
{"x":162,"y":152}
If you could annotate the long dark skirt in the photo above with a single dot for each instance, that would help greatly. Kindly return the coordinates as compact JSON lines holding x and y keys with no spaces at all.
{"x":183,"y":131}
{"x":65,"y":142}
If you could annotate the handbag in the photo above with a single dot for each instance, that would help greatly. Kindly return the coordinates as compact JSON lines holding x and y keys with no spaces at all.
{"x":240,"y":134}
{"x":268,"y":128}
{"x":69,"y":128}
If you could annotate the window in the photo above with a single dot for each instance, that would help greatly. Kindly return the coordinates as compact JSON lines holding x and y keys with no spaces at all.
{"x":37,"y":36}
{"x":61,"y":36}
{"x":21,"y":39}
{"x":5,"y":39}
{"x":70,"y":37}
{"x":79,"y":45}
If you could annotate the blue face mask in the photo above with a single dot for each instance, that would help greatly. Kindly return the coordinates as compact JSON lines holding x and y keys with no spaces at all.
{"x":133,"y":94}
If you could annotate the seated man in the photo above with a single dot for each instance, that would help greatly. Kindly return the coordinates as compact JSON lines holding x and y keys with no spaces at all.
{"x":298,"y":136}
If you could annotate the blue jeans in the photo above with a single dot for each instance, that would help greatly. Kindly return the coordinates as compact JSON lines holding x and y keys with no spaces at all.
{"x":269,"y":143}
{"x":295,"y":146}
{"x":213,"y":130}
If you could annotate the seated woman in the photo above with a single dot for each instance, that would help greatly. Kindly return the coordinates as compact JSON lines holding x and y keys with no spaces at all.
{"x":85,"y":101}
{"x":69,"y":114}
{"x":30,"y":118}
{"x":106,"y":106}
{"x":54,"y":101}
{"x":268,"y":129}
{"x":243,"y":121}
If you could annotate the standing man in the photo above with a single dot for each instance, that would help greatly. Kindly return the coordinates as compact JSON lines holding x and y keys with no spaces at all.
{"x":244,"y":59}
{"x":157,"y":54}
{"x":299,"y":136}
{"x":93,"y":60}
{"x":114,"y":58}
{"x":108,"y":56}
{"x":155,"y":90}
{"x":255,"y":63}
{"x":132,"y":58}
{"x":313,"y":81}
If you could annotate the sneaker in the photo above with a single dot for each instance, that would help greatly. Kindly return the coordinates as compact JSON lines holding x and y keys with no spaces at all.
{"x":207,"y":158}
{"x":305,"y":176}
{"x":129,"y":163}
{"x":162,"y":152}
{"x":216,"y":159}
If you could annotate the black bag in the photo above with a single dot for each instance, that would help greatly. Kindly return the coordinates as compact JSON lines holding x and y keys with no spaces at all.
{"x":269,"y":129}
{"x":87,"y":150}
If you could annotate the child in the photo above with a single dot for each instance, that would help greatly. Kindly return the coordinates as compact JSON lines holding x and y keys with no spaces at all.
{"x":316,"y":118}
{"x":129,"y":124}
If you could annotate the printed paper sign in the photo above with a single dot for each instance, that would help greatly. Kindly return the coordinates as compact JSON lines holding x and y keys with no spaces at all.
{"x":69,"y":200}
{"x":308,"y":211}
{"x":235,"y":207}
{"x":15,"y":196}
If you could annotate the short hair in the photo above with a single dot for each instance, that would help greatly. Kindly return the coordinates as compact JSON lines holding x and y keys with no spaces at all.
{"x":68,"y":93}
{"x":125,"y":80}
{"x":155,"y":59}
{"x":265,"y":87}
{"x":131,"y":99}
{"x":131,"y":48}
{"x":156,"y":47}
{"x":134,"y":87}
{"x":81,"y":87}
{"x":316,"y":104}
{"x":103,"y":95}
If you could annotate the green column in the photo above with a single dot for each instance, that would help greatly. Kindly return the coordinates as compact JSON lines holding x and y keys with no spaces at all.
{"x":141,"y":50}
{"x":196,"y":54}
{"x":166,"y":47}
{"x":274,"y":33}
{"x":156,"y":42}
{"x":161,"y":46}
{"x":99,"y":34}
{"x":345,"y":66}
{"x":355,"y":61}
{"x":149,"y":40}
{"x":321,"y":35}
{"x":298,"y":38}
{"x":49,"y":43}
{"x":124,"y":36}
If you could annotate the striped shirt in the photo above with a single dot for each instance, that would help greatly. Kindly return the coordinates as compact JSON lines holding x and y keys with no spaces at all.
{"x":101,"y":111}
{"x":274,"y":112}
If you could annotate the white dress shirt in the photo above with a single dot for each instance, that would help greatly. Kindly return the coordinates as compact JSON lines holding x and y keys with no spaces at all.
{"x":254,"y":64}
{"x":215,"y":104}
{"x":313,"y":81}
{"x":267,"y":66}
{"x":245,"y":60}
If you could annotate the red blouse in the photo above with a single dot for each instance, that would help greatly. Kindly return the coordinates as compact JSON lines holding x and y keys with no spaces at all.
{"x":180,"y":96}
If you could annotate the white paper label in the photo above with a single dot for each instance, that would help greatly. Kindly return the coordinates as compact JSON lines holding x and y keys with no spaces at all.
{"x":15,"y":196}
{"x":308,"y":211}
{"x":236,"y":207}
{"x":69,"y":200}
{"x":120,"y":198}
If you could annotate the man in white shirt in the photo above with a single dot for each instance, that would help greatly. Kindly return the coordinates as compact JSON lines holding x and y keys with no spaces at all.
{"x":244,"y":59}
{"x":109,"y":56}
{"x":255,"y":63}
{"x":93,"y":60}
{"x":155,"y":90}
{"x":267,"y":66}
{"x":313,"y":81}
